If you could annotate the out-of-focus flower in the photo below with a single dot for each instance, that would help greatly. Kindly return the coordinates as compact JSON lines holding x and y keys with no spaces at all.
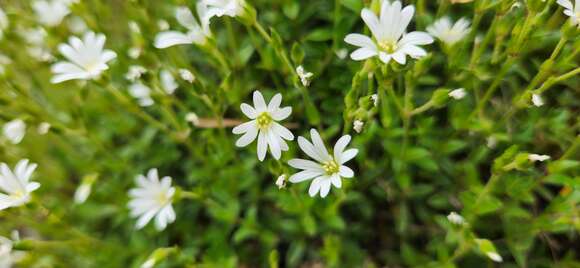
{"x":458,"y":93}
{"x":8,"y":256}
{"x":341,"y":53}
{"x":135,"y":72}
{"x":390,"y":40}
{"x":192,"y":118}
{"x":537,"y":100}
{"x":15,"y":186}
{"x":264,"y":125}
{"x":3,"y":22}
{"x":491,"y":142}
{"x":163,"y":25}
{"x":43,"y":128}
{"x":455,"y":218}
{"x":220,"y":8}
{"x":167,"y":81}
{"x":197,"y":32}
{"x":375,"y":99}
{"x":14,"y":131}
{"x":84,"y":190}
{"x":134,"y":52}
{"x":134,"y":27}
{"x":329,"y":170}
{"x":4,"y":60}
{"x":448,"y":33}
{"x":86,"y":58}
{"x":152,"y":198}
{"x":35,"y":37}
{"x":537,"y":157}
{"x":186,"y":75}
{"x":304,"y":76}
{"x":77,"y":25}
{"x":357,"y":125}
{"x":281,"y":181}
{"x":572,"y":11}
{"x":142,"y":93}
{"x":50,"y":12}
{"x":494,"y":256}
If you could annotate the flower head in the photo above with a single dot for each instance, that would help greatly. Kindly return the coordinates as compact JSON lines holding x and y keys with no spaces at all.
{"x":357,"y":125}
{"x":281,"y":181}
{"x":455,"y":218}
{"x":329,"y":170}
{"x":142,"y":93}
{"x":537,"y":100}
{"x":457,"y":93}
{"x":86,"y":58}
{"x":186,"y":75}
{"x":135,"y":72}
{"x":14,"y":131}
{"x":447,"y":32}
{"x":50,"y":13}
{"x":152,"y":198}
{"x":220,"y":8}
{"x":390,"y":40}
{"x":197,"y":32}
{"x":167,"y":81}
{"x":264,"y":125}
{"x":537,"y":157}
{"x":572,"y":11}
{"x":304,"y":76}
{"x":15,"y":185}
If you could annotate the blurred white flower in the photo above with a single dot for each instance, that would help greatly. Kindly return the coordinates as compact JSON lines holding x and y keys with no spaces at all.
{"x":8,"y":256}
{"x":537,"y":100}
{"x":135,"y":72}
{"x":357,"y":125}
{"x":329,"y":170}
{"x":494,"y":256}
{"x":304,"y":76}
{"x":458,"y":93}
{"x":134,"y":27}
{"x":186,"y":75}
{"x":264,"y":125}
{"x":197,"y":32}
{"x":77,"y":25}
{"x":134,"y":52}
{"x":40,"y":53}
{"x":142,"y":93}
{"x":4,"y":60}
{"x":572,"y":11}
{"x":33,"y":36}
{"x":50,"y":12}
{"x":537,"y":157}
{"x":455,"y":218}
{"x":220,"y":8}
{"x":149,"y":263}
{"x":152,"y":198}
{"x":86,"y":58}
{"x":341,"y":53}
{"x":192,"y":118}
{"x":491,"y":142}
{"x":389,"y":32}
{"x":167,"y":81}
{"x":14,"y":130}
{"x":3,"y":22}
{"x":281,"y":181}
{"x":15,"y":186}
{"x":82,"y":193}
{"x":375,"y":99}
{"x":163,"y":25}
{"x":448,"y":33}
{"x":43,"y":128}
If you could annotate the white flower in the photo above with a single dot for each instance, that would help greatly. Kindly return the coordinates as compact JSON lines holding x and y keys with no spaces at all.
{"x":134,"y":27}
{"x":8,"y":256}
{"x":390,"y":40}
{"x":167,"y":81}
{"x":3,"y":62}
{"x":457,"y":93}
{"x":219,"y":8}
{"x":134,"y":52}
{"x":82,"y":193}
{"x":135,"y":72}
{"x":43,"y":128}
{"x":448,"y":33}
{"x":491,"y":142}
{"x":329,"y":170}
{"x":197,"y":33}
{"x":494,"y":256}
{"x":281,"y":181}
{"x":186,"y":75}
{"x":264,"y":125}
{"x":34,"y":36}
{"x":3,"y":22}
{"x":192,"y":118}
{"x":375,"y":99}
{"x":14,"y":131}
{"x":163,"y":25}
{"x":455,"y":218}
{"x":149,"y":263}
{"x":77,"y":25}
{"x":341,"y":53}
{"x":50,"y":13}
{"x":15,"y":186}
{"x":142,"y":93}
{"x":572,"y":11}
{"x":152,"y":198}
{"x":537,"y":157}
{"x":537,"y":100}
{"x":87,"y":59}
{"x":357,"y":125}
{"x":304,"y":76}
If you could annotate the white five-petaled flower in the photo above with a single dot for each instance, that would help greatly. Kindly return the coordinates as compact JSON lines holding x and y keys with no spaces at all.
{"x":197,"y":32}
{"x":455,"y":218}
{"x":264,"y":125}
{"x":447,"y":32}
{"x":304,"y":76}
{"x":14,"y":131}
{"x":537,"y":100}
{"x":220,"y":8}
{"x":458,"y":93}
{"x":152,"y":198}
{"x":87,"y":58}
{"x":167,"y":81}
{"x":142,"y":93}
{"x":390,"y":40}
{"x":15,"y":186}
{"x":537,"y":157}
{"x":329,"y":170}
{"x":572,"y":11}
{"x":50,"y":12}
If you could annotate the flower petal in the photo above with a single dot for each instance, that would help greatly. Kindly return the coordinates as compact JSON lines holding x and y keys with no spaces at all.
{"x":171,"y":38}
{"x":345,"y":172}
{"x":259,"y":103}
{"x":262,"y":145}
{"x":347,"y":155}
{"x":340,"y":145}
{"x":304,"y":175}
{"x":248,"y":111}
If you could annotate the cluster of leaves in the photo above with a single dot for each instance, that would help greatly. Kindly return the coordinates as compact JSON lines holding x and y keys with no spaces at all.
{"x":469,"y":155}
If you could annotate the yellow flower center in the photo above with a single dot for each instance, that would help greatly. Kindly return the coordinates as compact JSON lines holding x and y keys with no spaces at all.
{"x":264,"y":120}
{"x":330,"y":167}
{"x":163,"y":199}
{"x":388,"y":46}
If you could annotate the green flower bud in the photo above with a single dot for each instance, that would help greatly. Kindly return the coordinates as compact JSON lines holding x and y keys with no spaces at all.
{"x":440,"y":97}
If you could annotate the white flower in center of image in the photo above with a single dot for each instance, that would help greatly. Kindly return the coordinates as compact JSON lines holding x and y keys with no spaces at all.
{"x":329,"y":170}
{"x":197,"y":32}
{"x":448,"y":33}
{"x":87,"y":58}
{"x":152,"y":198}
{"x":390,"y":40}
{"x":142,"y":93}
{"x":14,"y":131}
{"x":265,"y":126}
{"x":50,"y":13}
{"x":15,"y":186}
{"x":572,"y":11}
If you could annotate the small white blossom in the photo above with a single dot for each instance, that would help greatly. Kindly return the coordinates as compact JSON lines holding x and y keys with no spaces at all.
{"x":9,"y":256}
{"x":537,"y":157}
{"x":455,"y":218}
{"x":82,"y":193}
{"x":50,"y":12}
{"x":77,"y":25}
{"x":142,"y":93}
{"x":494,"y":256}
{"x":186,"y":75}
{"x":134,"y":27}
{"x":572,"y":11}
{"x":43,"y":128}
{"x":14,"y":131}
{"x":458,"y":93}
{"x":15,"y":186}
{"x":329,"y":170}
{"x":390,"y":40}
{"x":357,"y":125}
{"x":341,"y":53}
{"x":197,"y":32}
{"x":375,"y":99}
{"x":264,"y":125}
{"x":135,"y":72}
{"x":220,"y":8}
{"x":491,"y":142}
{"x":3,"y":22}
{"x":86,"y":58}
{"x":537,"y":100}
{"x":163,"y":25}
{"x":152,"y":198}
{"x":134,"y":52}
{"x":448,"y":33}
{"x":167,"y":81}
{"x":192,"y":118}
{"x":281,"y":181}
{"x":304,"y":76}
